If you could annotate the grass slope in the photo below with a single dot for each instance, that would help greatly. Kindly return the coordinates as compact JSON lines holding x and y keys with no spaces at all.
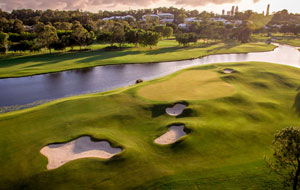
{"x":167,"y":50}
{"x":224,"y":150}
{"x":289,"y":40}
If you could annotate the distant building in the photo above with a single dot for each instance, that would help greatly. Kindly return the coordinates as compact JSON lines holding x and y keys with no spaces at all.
{"x":28,"y":28}
{"x":218,"y":20}
{"x":277,"y":25}
{"x":238,"y":22}
{"x":162,"y":17}
{"x":166,"y":17}
{"x":268,"y":10}
{"x":192,"y":19}
{"x":226,"y":22}
{"x":182,"y":26}
{"x":150,"y":16}
{"x":127,"y":17}
{"x":232,"y":11}
{"x":236,"y":10}
{"x":223,"y":12}
{"x":188,"y":22}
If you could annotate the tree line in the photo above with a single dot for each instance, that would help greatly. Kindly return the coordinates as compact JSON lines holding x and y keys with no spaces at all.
{"x":47,"y":36}
{"x":31,"y":30}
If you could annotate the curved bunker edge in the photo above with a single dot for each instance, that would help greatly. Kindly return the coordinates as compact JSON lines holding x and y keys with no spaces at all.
{"x":176,"y":110}
{"x":174,"y":133}
{"x":82,"y":147}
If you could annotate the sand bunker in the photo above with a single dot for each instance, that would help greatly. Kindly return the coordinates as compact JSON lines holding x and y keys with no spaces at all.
{"x":172,"y":135}
{"x":176,"y":110}
{"x":83,"y":147}
{"x":228,"y":71}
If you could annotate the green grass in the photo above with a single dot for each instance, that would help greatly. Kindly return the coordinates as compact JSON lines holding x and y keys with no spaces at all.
{"x":279,"y":38}
{"x":201,"y":85}
{"x":291,"y":40}
{"x":167,"y":50}
{"x":224,"y":150}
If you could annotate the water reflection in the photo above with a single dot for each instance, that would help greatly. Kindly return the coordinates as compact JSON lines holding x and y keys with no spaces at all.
{"x":98,"y":79}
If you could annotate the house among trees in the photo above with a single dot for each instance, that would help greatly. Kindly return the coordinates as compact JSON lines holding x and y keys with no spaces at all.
{"x":192,"y":19}
{"x":218,"y":20}
{"x":226,"y":22}
{"x":182,"y":26}
{"x":166,"y":17}
{"x":150,"y":16}
{"x":127,"y":17}
{"x":188,"y":22}
{"x":238,"y":22}
{"x":162,"y":17}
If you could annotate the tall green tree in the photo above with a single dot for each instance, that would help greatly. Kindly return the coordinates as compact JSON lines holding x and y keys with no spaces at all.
{"x":132,"y":36}
{"x":159,"y":29}
{"x":47,"y":36}
{"x":149,"y":38}
{"x":286,"y":156}
{"x":4,"y":24}
{"x":186,"y":38}
{"x":3,"y":42}
{"x":167,"y":32}
{"x":105,"y":37}
{"x":17,"y":26}
{"x":242,"y":34}
{"x":118,"y":35}
{"x":80,"y":34}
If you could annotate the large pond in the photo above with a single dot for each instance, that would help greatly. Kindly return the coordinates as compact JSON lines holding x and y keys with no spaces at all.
{"x":24,"y":90}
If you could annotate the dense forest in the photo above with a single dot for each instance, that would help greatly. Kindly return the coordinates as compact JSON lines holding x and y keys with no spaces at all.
{"x":32,"y":30}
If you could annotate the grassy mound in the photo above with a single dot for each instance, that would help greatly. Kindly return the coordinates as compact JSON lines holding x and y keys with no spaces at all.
{"x":188,"y":85}
{"x":227,"y":141}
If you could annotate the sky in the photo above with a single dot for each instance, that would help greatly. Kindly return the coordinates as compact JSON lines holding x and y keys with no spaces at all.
{"x":208,"y":5}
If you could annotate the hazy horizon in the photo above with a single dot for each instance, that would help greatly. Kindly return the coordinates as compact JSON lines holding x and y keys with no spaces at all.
{"x":215,"y":6}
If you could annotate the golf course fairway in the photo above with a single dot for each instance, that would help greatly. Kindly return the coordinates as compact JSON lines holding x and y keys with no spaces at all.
{"x":230,"y":120}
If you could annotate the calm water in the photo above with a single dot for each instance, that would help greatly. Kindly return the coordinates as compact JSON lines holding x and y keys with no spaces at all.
{"x":24,"y":90}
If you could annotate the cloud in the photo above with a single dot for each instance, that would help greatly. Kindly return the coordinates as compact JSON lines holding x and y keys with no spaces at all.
{"x":9,"y":5}
{"x":203,"y":2}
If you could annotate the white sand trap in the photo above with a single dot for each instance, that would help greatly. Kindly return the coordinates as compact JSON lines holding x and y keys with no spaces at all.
{"x":228,"y":71}
{"x":176,"y":110}
{"x":172,"y":135}
{"x":83,"y":147}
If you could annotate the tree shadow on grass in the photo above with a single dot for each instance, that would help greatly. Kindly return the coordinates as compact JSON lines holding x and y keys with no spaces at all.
{"x":173,"y":49}
{"x":226,"y":46}
{"x":85,"y":56}
{"x":158,"y":110}
{"x":108,"y":55}
{"x":47,"y":59}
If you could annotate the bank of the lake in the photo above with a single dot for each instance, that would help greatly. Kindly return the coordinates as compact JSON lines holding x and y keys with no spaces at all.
{"x":229,"y":133}
{"x":18,"y":93}
{"x":289,"y":40}
{"x":167,"y":50}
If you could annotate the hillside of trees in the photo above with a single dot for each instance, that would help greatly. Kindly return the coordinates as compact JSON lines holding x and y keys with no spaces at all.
{"x":33,"y":30}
